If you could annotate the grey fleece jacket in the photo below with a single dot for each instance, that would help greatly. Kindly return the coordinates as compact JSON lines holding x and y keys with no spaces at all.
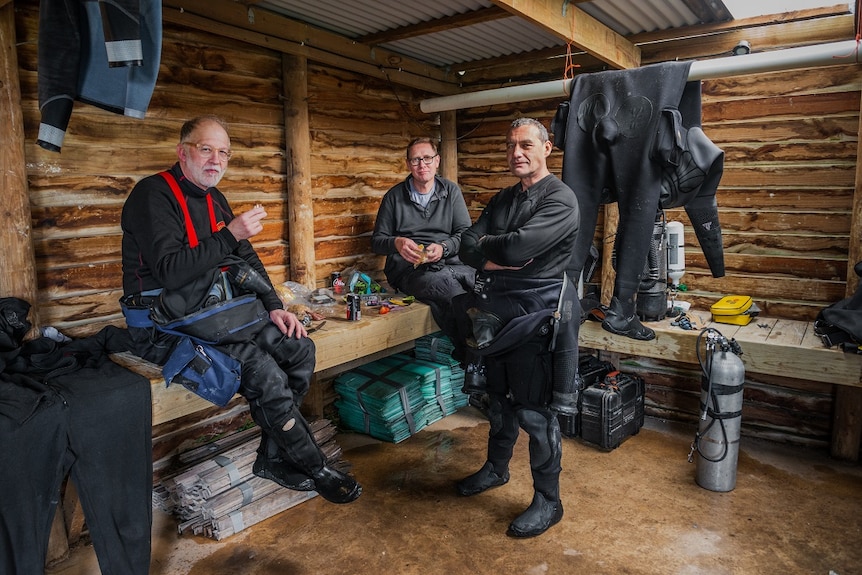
{"x":441,"y":222}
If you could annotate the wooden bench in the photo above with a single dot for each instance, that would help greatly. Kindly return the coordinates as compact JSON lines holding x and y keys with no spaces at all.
{"x":778,"y":347}
{"x":341,"y":345}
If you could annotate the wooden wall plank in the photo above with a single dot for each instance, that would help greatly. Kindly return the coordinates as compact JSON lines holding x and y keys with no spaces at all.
{"x":19,"y":279}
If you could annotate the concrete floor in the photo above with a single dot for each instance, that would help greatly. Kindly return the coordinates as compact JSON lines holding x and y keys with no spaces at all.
{"x":634,"y":510}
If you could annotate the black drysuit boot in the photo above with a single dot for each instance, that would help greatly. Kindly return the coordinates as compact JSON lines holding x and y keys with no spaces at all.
{"x":621,"y":318}
{"x":482,"y":480}
{"x":303,"y":454}
{"x":270,"y":465}
{"x":546,"y":452}
{"x":501,"y":441}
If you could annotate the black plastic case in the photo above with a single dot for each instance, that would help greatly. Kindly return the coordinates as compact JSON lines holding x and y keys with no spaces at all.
{"x":612,"y":410}
{"x":593,"y":370}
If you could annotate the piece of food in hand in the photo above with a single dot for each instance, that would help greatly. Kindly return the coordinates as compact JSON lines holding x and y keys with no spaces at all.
{"x":422,"y":257}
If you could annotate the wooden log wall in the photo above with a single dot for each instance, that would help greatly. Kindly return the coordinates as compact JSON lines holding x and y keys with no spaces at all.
{"x":786,"y":207}
{"x":360,"y":128}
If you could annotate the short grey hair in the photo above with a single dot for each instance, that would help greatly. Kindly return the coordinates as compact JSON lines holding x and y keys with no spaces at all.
{"x":543,"y":132}
{"x":191,"y":125}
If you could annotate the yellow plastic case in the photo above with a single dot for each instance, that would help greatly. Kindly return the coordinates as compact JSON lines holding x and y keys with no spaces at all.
{"x":734,"y":309}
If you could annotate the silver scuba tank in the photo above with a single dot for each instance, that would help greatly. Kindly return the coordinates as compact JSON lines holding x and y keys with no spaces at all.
{"x":717,"y":439}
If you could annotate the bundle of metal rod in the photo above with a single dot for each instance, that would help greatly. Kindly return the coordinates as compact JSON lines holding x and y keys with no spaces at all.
{"x":218,"y":495}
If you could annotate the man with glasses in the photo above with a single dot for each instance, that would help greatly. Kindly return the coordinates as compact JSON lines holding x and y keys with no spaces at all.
{"x":178,"y":228}
{"x":418,"y":229}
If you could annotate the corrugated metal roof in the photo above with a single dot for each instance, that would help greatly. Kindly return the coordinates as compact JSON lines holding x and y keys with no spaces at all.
{"x":361,"y":17}
{"x":494,"y":38}
{"x":480,"y":41}
{"x":625,"y":17}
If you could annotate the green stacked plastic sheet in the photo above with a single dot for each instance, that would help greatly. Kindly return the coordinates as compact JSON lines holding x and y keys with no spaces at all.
{"x":437,"y":348}
{"x":394,"y":397}
{"x":435,"y":382}
{"x":382,"y":399}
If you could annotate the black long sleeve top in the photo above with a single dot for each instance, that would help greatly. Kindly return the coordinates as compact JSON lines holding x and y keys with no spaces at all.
{"x":156,"y":251}
{"x":538,"y":226}
{"x":442,"y":221}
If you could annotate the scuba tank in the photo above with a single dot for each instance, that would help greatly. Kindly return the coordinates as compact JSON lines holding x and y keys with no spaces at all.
{"x":717,"y":438}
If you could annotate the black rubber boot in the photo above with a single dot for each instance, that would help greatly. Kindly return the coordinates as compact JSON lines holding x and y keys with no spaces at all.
{"x":482,"y":480}
{"x":543,"y":513}
{"x":297,"y":444}
{"x":546,"y":452}
{"x":335,"y":486}
{"x":621,"y":319}
{"x":270,"y":465}
{"x":501,"y":441}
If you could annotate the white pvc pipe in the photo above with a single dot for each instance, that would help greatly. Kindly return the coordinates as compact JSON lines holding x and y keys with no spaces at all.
{"x":846,"y":52}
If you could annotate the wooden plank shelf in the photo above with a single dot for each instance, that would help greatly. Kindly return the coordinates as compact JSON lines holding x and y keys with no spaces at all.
{"x":780,"y":347}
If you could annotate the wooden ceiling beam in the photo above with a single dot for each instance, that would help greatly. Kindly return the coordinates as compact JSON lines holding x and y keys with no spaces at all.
{"x":439,"y":25}
{"x":572,"y":24}
{"x":745,"y":23}
{"x":261,"y":27}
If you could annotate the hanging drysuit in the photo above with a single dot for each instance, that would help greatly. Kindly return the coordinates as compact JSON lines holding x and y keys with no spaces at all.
{"x":633,"y":137}
{"x":104,"y":53}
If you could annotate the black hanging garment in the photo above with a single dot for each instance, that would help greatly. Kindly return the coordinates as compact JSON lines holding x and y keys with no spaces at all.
{"x":103,"y":53}
{"x":633,"y":137}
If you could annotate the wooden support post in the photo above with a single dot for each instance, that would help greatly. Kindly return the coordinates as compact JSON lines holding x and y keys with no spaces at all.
{"x":846,"y":423}
{"x":609,"y":234}
{"x":19,"y":266}
{"x":847,"y":419}
{"x":300,"y":201}
{"x":449,"y":146}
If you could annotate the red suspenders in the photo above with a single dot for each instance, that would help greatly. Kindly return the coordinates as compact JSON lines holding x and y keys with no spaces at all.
{"x":190,"y":228}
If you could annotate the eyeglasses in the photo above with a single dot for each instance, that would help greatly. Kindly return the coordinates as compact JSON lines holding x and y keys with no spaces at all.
{"x":424,"y":159}
{"x":207,"y":151}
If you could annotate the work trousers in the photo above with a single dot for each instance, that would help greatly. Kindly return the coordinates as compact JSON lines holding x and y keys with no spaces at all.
{"x":437,"y":288}
{"x":95,"y":425}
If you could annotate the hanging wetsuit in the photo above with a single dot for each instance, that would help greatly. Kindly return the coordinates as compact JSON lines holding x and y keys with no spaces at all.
{"x":68,"y":409}
{"x":103,"y":53}
{"x":633,"y":137}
